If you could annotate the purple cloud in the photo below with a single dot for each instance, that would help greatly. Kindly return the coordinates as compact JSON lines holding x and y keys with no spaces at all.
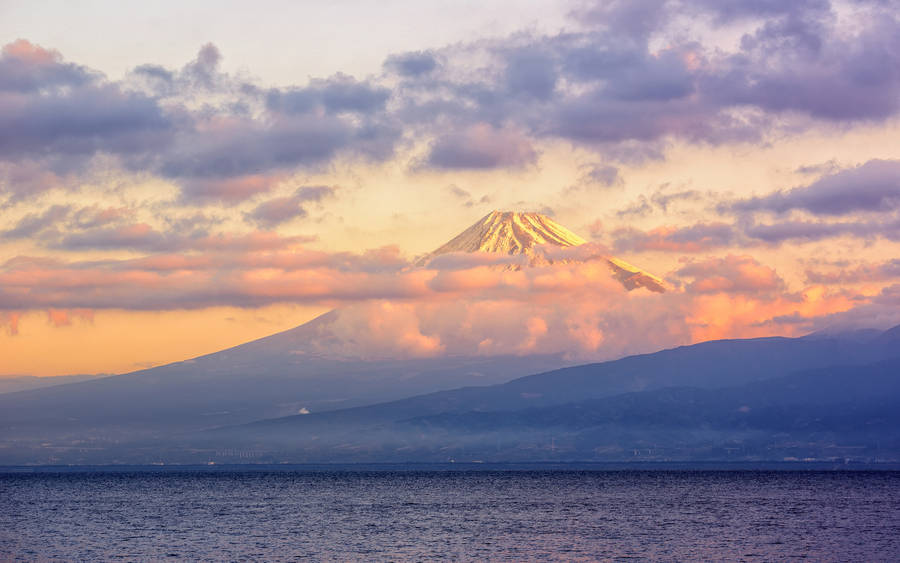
{"x":530,"y":73}
{"x":411,"y":64}
{"x":25,"y":67}
{"x":608,"y":86}
{"x":700,"y":237}
{"x":481,"y":146}
{"x":279,"y":210}
{"x":35,"y":223}
{"x":604,"y":175}
{"x":873,"y":186}
{"x":865,"y":273}
{"x":338,"y":94}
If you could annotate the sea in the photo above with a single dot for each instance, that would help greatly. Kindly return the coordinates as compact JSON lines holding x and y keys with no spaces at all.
{"x":471,"y":513}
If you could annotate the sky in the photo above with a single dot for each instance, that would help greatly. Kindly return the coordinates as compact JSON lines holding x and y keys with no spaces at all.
{"x":180,"y":177}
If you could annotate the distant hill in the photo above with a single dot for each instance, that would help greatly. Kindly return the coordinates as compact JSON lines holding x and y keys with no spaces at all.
{"x":837,"y":412}
{"x":278,"y":375}
{"x":14,"y":383}
{"x":708,"y":365}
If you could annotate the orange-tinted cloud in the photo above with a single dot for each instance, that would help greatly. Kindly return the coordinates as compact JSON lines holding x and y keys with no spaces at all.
{"x":10,"y":320}
{"x":63,"y":317}
{"x":731,"y":274}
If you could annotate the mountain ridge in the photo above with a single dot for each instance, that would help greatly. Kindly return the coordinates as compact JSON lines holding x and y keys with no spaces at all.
{"x":532,"y":235}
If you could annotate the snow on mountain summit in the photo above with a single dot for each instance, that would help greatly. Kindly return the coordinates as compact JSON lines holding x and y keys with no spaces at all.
{"x":530,"y":234}
{"x":509,"y":232}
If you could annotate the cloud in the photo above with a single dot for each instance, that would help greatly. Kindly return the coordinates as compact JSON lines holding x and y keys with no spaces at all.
{"x":79,"y":122}
{"x":663,"y":200}
{"x":411,"y":64}
{"x":222,"y":149}
{"x":603,"y":175}
{"x":387,"y":308}
{"x":628,"y":80}
{"x":34,"y":223}
{"x":531,"y":73}
{"x":865,"y":273}
{"x":275,"y":211}
{"x":701,"y":237}
{"x":10,"y":320}
{"x":695,"y":238}
{"x":732,"y":274}
{"x":610,"y":87}
{"x":831,"y":73}
{"x":828,"y":167}
{"x":835,"y":201}
{"x":62,"y":317}
{"x":25,"y":67}
{"x":873,"y":186}
{"x":879,"y":311}
{"x":481,"y":146}
{"x":727,"y":11}
{"x":146,"y":238}
{"x":807,"y":231}
{"x":338,"y":94}
{"x":203,"y":70}
{"x":95,"y":216}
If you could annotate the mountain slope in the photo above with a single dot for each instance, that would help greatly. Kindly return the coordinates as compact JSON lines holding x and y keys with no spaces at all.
{"x":709,"y":365}
{"x":273,"y":376}
{"x":375,"y":432}
{"x":531,"y":235}
{"x":510,"y":233}
{"x":12,"y":384}
{"x":836,"y":412}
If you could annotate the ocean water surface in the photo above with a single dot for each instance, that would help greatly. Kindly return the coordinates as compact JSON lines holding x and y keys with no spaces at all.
{"x":341,"y":515}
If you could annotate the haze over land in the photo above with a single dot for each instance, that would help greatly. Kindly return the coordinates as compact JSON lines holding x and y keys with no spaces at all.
{"x":323,"y":216}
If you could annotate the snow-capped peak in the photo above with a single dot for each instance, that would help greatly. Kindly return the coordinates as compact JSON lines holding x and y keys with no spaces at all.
{"x":510,"y":232}
{"x":513,"y":233}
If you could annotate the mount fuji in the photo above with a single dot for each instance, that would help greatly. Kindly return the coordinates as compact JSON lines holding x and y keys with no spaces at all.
{"x":296,"y":395}
{"x":538,"y":240}
{"x":299,"y":370}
